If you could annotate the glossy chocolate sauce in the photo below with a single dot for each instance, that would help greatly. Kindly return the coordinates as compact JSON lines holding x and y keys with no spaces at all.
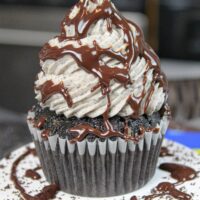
{"x":33,"y":174}
{"x":89,"y":59}
{"x":47,"y":192}
{"x":84,"y":129}
{"x":153,"y":62}
{"x":45,"y":134}
{"x":179,"y":172}
{"x":164,"y":152}
{"x":133,"y":198}
{"x":49,"y":88}
{"x":40,"y":122}
{"x":166,"y":188}
{"x":134,"y":103}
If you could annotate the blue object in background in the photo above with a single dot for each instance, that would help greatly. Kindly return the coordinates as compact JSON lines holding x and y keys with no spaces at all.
{"x":187,"y":138}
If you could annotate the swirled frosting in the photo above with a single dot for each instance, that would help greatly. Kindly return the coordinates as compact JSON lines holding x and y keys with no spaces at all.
{"x":99,"y":64}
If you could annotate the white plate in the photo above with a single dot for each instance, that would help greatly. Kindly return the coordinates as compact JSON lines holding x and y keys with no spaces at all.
{"x":182,"y":155}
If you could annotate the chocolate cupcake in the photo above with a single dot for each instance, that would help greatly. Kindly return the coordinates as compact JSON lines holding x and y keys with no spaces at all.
{"x":102,"y":104}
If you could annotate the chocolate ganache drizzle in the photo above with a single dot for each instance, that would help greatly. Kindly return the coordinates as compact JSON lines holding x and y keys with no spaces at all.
{"x":48,"y":192}
{"x":48,"y":89}
{"x":99,"y":44}
{"x":167,"y":188}
{"x":179,"y":172}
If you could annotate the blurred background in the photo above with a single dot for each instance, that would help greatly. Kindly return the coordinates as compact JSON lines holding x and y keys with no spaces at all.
{"x":172,"y":27}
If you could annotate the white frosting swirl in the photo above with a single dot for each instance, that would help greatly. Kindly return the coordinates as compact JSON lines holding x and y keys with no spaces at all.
{"x":79,"y":83}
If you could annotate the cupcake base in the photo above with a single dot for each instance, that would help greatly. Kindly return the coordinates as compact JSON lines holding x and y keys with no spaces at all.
{"x":99,"y":168}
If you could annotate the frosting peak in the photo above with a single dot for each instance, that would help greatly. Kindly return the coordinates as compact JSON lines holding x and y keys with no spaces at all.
{"x":103,"y":63}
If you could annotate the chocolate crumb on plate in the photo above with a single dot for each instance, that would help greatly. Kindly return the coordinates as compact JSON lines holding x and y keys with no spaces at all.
{"x":7,"y":156}
{"x":2,"y":166}
{"x":164,"y":152}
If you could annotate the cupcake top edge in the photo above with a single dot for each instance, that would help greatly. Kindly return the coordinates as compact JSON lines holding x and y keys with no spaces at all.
{"x":48,"y":123}
{"x":100,"y":64}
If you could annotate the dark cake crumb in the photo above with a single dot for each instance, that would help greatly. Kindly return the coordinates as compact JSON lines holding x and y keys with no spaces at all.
{"x":59,"y":124}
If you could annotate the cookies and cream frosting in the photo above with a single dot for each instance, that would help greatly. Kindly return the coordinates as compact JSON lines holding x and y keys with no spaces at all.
{"x":99,"y":65}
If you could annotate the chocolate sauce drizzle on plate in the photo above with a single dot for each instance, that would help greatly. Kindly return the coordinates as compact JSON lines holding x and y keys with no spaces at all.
{"x":133,"y":198}
{"x":47,"y":192}
{"x":33,"y":174}
{"x":167,"y":188}
{"x":89,"y":59}
{"x":179,"y":172}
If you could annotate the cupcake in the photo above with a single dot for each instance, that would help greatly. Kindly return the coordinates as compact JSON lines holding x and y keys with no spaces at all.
{"x":102,"y":104}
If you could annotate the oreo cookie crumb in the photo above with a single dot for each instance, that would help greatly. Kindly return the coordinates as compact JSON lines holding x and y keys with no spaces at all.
{"x":59,"y":124}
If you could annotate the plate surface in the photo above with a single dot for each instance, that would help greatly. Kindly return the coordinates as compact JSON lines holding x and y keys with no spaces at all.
{"x":181,"y":155}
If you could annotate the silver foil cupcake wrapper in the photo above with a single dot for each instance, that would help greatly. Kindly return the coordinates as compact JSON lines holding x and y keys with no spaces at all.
{"x":99,"y":168}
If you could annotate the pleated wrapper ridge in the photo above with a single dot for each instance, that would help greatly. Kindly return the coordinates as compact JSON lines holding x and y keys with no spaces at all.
{"x":99,"y":168}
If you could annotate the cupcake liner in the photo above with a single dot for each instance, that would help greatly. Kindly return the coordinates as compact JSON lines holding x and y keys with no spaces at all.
{"x":99,"y":169}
